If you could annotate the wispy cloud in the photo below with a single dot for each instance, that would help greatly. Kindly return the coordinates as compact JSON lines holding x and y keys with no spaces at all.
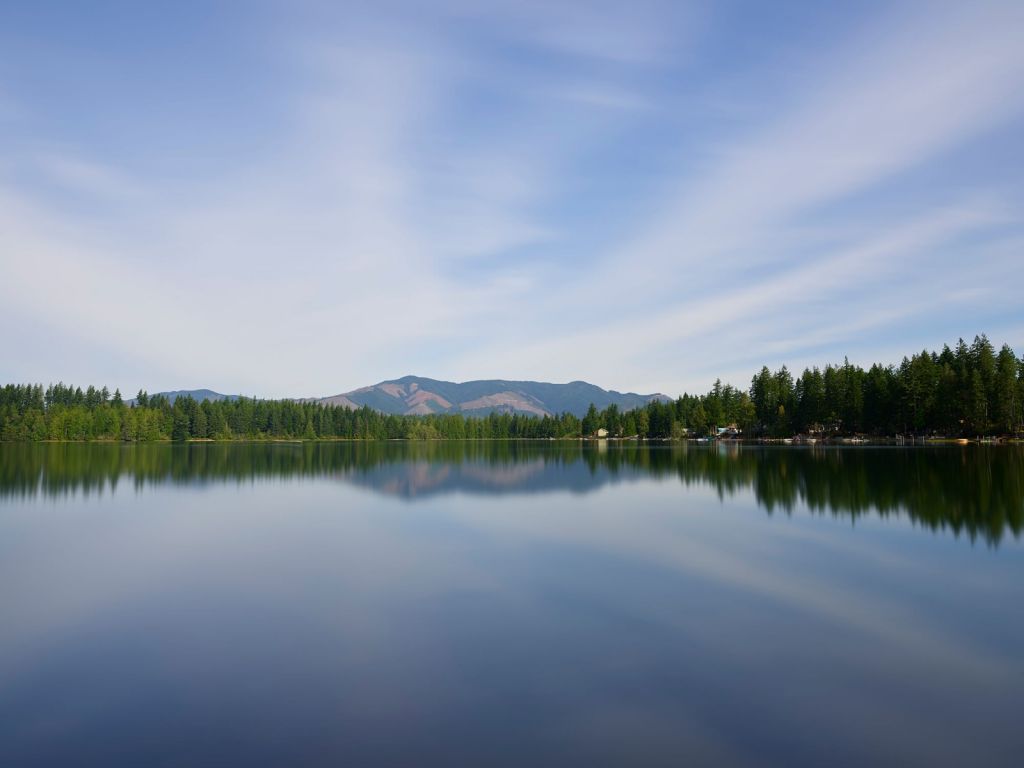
{"x":639,"y":33}
{"x":85,"y":178}
{"x":729,"y":248}
{"x":883,"y":105}
{"x":864,"y":285}
{"x":543,"y":191}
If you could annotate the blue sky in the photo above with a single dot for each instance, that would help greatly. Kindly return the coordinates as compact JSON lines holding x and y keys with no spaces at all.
{"x":291,"y":199}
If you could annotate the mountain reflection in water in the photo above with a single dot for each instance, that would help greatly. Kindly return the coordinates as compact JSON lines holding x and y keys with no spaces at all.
{"x":976,"y":490}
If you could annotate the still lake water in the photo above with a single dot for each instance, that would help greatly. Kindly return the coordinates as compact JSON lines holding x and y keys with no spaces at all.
{"x":510,"y":604}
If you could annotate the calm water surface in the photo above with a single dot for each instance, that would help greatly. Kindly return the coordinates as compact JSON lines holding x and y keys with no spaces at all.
{"x":510,"y":604}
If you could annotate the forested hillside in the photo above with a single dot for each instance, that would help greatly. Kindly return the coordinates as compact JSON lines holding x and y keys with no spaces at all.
{"x":416,"y":395}
{"x":966,"y":390}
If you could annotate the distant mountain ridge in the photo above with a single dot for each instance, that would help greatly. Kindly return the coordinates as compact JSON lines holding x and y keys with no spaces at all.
{"x":195,"y":394}
{"x":417,"y":395}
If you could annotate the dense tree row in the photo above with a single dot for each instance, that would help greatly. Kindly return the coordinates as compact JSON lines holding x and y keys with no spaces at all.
{"x":65,"y":413}
{"x":969,"y":390}
{"x":966,"y":391}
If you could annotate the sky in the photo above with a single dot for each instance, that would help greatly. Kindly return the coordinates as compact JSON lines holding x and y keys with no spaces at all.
{"x":291,"y":199}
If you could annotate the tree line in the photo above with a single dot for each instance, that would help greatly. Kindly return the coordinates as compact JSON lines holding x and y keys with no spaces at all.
{"x":62,"y":412}
{"x":968,"y":390}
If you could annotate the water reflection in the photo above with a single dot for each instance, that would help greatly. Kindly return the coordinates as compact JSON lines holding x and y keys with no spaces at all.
{"x":506,"y":604}
{"x":974,"y":490}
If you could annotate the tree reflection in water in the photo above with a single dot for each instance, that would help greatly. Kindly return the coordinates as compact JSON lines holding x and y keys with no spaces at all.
{"x":975,"y":490}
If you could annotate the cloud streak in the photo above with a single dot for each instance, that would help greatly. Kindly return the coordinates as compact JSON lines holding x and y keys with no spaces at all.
{"x":535,"y":192}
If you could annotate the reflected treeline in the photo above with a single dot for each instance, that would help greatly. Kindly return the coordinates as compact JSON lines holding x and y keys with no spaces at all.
{"x":972,"y":489}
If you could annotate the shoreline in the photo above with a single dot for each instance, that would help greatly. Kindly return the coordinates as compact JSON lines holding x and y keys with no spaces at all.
{"x":839,"y":442}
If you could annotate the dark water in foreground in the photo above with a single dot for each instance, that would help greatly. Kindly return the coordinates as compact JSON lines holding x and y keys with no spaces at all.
{"x":510,"y":604}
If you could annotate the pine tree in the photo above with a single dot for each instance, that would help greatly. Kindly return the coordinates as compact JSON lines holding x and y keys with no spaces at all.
{"x":977,"y":404}
{"x":1006,"y":404}
{"x":591,"y":421}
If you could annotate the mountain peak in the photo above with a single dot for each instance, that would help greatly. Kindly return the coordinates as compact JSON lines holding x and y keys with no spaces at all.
{"x":421,"y":395}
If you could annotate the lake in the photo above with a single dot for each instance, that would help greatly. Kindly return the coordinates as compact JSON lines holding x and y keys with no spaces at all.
{"x":509,"y":604}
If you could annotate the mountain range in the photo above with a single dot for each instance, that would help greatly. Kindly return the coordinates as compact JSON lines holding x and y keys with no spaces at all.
{"x":195,"y":394}
{"x":416,"y":395}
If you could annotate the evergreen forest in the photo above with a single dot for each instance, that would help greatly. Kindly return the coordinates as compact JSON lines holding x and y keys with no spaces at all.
{"x":969,"y":390}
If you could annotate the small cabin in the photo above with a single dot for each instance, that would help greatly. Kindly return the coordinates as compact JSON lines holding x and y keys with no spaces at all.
{"x":602,"y":432}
